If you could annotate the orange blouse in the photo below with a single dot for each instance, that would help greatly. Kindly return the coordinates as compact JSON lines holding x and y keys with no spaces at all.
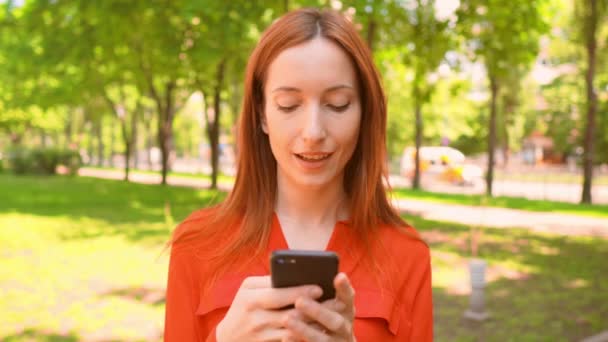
{"x":402,"y":311}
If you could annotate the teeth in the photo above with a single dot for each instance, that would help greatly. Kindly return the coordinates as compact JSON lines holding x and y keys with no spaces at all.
{"x":314,"y":157}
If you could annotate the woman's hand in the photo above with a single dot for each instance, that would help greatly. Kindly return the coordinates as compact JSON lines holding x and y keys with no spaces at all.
{"x":328,"y":321}
{"x":254,"y":314}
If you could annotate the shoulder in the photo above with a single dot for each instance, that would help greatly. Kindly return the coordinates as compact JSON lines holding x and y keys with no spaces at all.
{"x":403,"y":241}
{"x":405,"y":258}
{"x":187,"y":235}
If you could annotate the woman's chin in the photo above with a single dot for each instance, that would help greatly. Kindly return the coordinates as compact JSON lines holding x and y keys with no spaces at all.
{"x":316,"y":182}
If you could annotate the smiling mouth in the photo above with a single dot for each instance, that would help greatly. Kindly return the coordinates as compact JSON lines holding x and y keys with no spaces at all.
{"x":313,"y":157}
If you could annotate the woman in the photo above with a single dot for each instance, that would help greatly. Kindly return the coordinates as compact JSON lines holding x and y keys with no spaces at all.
{"x":310,"y":176}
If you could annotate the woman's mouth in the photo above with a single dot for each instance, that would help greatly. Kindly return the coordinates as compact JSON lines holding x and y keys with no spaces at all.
{"x":313,"y":157}
{"x":314,"y":161}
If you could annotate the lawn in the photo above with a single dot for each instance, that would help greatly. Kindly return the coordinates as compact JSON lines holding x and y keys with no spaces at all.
{"x":220,"y":178}
{"x":82,"y":259}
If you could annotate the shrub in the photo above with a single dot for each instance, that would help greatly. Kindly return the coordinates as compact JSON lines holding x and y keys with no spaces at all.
{"x":42,"y":160}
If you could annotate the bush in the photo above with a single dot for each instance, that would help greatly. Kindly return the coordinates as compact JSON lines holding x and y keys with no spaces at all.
{"x":42,"y":160}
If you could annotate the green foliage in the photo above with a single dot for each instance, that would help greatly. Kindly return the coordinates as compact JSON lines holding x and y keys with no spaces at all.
{"x":505,"y":35}
{"x":44,"y":161}
{"x":65,"y":65}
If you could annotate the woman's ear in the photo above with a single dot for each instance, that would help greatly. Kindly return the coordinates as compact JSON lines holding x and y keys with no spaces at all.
{"x":263,"y":124}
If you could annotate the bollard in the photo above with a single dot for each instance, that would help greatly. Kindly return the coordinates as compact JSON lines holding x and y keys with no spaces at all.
{"x":477,"y":310}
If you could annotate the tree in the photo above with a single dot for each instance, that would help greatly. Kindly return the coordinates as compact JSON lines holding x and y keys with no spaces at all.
{"x":590,"y":14}
{"x":220,"y":33}
{"x":426,"y":44}
{"x":505,"y":36}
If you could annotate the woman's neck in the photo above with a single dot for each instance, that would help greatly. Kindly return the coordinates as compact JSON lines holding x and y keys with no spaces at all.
{"x":311,"y":207}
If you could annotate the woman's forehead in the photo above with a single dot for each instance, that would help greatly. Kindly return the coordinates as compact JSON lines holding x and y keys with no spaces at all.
{"x":316,"y":64}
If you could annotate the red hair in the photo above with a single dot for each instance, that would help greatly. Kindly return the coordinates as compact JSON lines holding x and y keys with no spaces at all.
{"x":250,"y":205}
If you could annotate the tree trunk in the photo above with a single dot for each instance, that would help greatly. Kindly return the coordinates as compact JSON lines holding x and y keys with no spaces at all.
{"x":371,"y":33}
{"x":590,"y":44}
{"x":163,"y":143}
{"x":134,"y":133}
{"x":68,"y":131}
{"x":419,"y":131}
{"x":165,"y":128}
{"x":128,"y":144}
{"x":100,"y":147}
{"x":90,"y":141}
{"x":112,"y":135}
{"x":494,"y":87}
{"x":235,"y":105}
{"x":507,"y":112}
{"x":126,"y":137}
{"x":285,"y":6}
{"x":150,"y":142}
{"x":213,"y":127}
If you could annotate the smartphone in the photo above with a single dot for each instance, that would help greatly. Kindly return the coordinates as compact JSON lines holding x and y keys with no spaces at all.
{"x":295,"y":267}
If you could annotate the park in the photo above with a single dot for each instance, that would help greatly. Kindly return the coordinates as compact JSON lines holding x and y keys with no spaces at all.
{"x":119,"y":118}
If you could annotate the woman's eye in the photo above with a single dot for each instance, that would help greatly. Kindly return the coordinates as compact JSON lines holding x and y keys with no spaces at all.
{"x":339,"y":108}
{"x":287,"y":109}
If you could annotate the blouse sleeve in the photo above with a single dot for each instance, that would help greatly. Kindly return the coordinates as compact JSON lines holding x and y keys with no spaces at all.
{"x":181,"y":303}
{"x":422,"y":306}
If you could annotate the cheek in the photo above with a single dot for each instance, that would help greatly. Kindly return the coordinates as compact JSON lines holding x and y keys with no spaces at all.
{"x":278,"y":132}
{"x":350,"y":130}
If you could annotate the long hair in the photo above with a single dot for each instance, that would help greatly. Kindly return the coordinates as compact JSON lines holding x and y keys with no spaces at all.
{"x":250,"y":204}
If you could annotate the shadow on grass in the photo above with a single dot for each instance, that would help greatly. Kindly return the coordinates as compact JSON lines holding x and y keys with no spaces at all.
{"x":117,"y":204}
{"x":148,"y":296}
{"x":39,"y":336}
{"x":559,"y":291}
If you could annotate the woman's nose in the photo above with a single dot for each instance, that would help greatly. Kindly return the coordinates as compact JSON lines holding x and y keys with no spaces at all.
{"x":314,"y":128}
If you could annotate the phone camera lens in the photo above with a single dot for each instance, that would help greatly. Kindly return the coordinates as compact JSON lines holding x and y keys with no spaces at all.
{"x":281,"y":261}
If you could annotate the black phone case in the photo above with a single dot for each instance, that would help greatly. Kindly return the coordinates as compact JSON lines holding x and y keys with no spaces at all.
{"x":294,"y":268}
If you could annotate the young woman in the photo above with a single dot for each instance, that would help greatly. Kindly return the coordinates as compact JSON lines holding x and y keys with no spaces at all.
{"x":310,"y":175}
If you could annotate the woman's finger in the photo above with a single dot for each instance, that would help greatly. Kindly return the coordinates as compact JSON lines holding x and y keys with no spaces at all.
{"x":329,"y":319}
{"x":273,"y":298}
{"x":274,"y":334}
{"x":306,"y":332}
{"x":344,"y":291}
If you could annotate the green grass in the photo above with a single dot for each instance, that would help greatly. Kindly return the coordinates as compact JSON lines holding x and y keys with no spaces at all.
{"x":81,"y":260}
{"x":541,"y":287}
{"x":595,"y":210}
{"x":221,"y":177}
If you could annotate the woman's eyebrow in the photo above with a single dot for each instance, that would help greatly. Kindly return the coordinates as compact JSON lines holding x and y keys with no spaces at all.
{"x":339,"y":86}
{"x":294,"y":89}
{"x":289,"y":89}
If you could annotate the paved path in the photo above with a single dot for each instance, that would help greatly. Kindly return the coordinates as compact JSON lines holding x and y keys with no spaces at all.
{"x":561,"y":192}
{"x":555,"y":223}
{"x":562,"y":224}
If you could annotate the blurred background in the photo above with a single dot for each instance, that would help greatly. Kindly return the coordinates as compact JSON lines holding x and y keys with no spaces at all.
{"x":117,"y":119}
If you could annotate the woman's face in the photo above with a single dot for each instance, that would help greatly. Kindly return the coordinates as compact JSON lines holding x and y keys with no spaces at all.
{"x":312,"y":113}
